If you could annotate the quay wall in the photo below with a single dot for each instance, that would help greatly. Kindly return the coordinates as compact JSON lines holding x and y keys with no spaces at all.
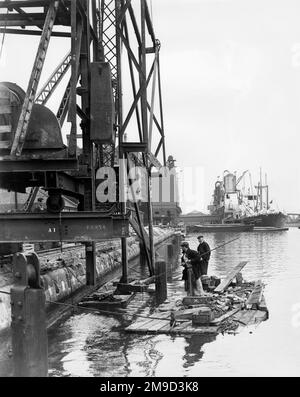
{"x":63,"y":272}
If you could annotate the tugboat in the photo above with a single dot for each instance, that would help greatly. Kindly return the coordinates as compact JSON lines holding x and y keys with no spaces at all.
{"x":236,"y":206}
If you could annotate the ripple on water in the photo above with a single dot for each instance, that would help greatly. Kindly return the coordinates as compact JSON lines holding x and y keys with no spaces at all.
{"x":88,"y":344}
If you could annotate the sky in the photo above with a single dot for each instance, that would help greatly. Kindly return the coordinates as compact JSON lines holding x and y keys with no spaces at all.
{"x":231,"y":90}
{"x":231,"y":84}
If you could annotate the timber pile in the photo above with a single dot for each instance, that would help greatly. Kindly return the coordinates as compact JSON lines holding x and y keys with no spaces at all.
{"x":231,"y":304}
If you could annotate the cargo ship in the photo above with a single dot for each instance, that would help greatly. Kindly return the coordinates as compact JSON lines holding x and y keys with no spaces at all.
{"x":237,"y":205}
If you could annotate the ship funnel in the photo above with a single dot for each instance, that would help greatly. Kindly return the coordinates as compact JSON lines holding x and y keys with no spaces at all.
{"x":230,"y":183}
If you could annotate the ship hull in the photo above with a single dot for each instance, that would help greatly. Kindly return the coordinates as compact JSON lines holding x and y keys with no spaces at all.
{"x":233,"y":227}
{"x":266,"y":220}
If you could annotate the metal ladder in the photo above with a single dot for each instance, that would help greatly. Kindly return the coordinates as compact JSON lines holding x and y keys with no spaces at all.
{"x":47,"y":90}
{"x":21,"y":131}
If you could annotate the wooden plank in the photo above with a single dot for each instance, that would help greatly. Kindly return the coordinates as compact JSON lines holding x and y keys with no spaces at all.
{"x":194,"y":330}
{"x":138,"y":325}
{"x":182,"y":329}
{"x":159,"y":324}
{"x":186,"y":314}
{"x":218,"y":320}
{"x":5,"y":128}
{"x":263,"y":305}
{"x":256,"y":295}
{"x":196,"y":300}
{"x":131,"y":287}
{"x":148,"y":323}
{"x":182,"y":326}
{"x":101,"y":295}
{"x":225,"y":283}
{"x":250,"y":317}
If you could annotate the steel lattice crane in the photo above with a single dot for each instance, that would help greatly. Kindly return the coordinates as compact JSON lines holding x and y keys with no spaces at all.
{"x":103,"y":35}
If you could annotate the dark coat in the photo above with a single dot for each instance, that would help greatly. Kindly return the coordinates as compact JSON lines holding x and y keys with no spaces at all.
{"x":194,"y":258}
{"x":204,"y":251}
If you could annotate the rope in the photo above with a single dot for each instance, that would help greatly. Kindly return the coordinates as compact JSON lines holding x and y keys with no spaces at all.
{"x":3,"y":36}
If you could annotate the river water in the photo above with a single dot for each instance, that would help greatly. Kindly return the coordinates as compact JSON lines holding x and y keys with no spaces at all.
{"x":89,"y":344}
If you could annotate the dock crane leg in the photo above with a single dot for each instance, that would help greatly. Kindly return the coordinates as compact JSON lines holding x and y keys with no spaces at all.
{"x":29,"y":333}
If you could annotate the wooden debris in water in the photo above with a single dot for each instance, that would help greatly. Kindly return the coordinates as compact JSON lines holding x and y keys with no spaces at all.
{"x":226,"y":282}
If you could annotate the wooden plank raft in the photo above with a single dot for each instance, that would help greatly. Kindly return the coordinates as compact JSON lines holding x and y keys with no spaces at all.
{"x":232,"y":274}
{"x":250,"y":317}
{"x":159,"y":323}
{"x":256,"y":295}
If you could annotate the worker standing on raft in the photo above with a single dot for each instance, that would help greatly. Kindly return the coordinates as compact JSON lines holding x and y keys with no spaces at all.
{"x":204,"y":252}
{"x":191,"y":258}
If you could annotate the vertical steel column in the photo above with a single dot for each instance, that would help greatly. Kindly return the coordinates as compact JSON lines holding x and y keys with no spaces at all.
{"x":123,"y":169}
{"x":143,"y":74}
{"x":72,"y":144}
{"x":29,"y":333}
{"x":144,"y":113}
{"x":161,"y":113}
{"x":89,"y":190}
{"x":96,"y":54}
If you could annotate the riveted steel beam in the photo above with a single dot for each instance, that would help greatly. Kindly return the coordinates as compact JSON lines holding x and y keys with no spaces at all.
{"x":66,"y":226}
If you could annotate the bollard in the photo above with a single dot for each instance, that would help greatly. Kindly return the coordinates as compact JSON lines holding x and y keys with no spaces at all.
{"x":160,"y":281}
{"x":90,"y":263}
{"x":29,"y":332}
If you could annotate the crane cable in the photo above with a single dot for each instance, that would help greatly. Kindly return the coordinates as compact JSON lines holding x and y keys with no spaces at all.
{"x":3,"y":37}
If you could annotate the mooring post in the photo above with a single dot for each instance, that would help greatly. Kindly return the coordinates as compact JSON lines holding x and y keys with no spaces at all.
{"x":190,"y":289}
{"x":160,"y":281}
{"x":90,"y":263}
{"x":29,"y":332}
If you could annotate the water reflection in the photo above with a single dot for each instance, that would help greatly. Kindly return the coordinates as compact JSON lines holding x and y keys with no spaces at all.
{"x":194,"y":349}
{"x":87,"y":344}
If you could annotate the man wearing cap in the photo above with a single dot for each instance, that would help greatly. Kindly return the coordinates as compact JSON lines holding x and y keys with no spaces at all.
{"x":204,"y":252}
{"x":192,"y":257}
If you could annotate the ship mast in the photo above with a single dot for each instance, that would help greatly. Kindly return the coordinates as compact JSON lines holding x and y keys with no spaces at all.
{"x":267,"y":191}
{"x":260,"y":190}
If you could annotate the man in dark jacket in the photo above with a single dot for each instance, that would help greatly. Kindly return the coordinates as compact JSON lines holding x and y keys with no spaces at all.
{"x":192,"y":257}
{"x":204,"y":252}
